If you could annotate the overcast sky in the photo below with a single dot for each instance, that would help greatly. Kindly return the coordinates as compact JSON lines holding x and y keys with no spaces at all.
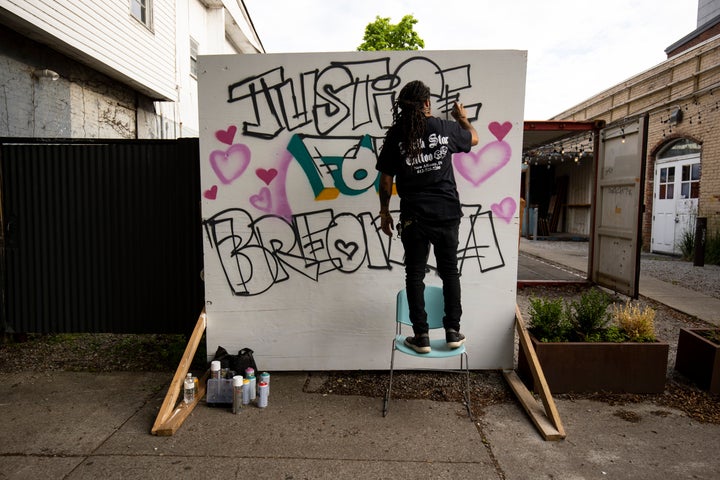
{"x":576,"y":48}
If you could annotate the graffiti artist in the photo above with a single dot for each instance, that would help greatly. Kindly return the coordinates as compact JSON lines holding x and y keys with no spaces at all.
{"x":417,"y":153}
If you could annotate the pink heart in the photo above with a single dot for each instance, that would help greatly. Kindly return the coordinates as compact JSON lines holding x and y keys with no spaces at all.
{"x":230,"y":164}
{"x":499,"y":131}
{"x":505,"y":209}
{"x":211,"y":194}
{"x":262,"y":200}
{"x":227,"y":136}
{"x":476,"y":167}
{"x":266,"y":175}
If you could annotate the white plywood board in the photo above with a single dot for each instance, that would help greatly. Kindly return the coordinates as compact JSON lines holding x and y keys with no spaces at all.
{"x":295,"y":265}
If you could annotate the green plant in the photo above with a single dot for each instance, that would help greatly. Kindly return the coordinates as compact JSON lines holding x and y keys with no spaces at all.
{"x":712,"y":335}
{"x":589,"y":316}
{"x":588,"y":320}
{"x":687,"y":244}
{"x":712,"y":248}
{"x":635,"y":323}
{"x":383,"y":35}
{"x":548,"y":319}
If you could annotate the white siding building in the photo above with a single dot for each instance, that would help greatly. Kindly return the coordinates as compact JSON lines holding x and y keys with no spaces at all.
{"x":109,"y":68}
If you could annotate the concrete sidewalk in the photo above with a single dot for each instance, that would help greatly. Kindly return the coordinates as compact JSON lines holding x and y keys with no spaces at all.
{"x":89,"y":426}
{"x":85,"y":426}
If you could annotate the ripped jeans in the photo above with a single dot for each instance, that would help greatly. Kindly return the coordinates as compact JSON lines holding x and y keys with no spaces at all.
{"x":416,"y":239}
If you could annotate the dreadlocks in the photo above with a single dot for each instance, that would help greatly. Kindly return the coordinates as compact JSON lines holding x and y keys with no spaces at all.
{"x":409,"y":117}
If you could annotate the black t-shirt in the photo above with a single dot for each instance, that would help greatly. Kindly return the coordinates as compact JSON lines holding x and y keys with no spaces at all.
{"x":426,"y":185}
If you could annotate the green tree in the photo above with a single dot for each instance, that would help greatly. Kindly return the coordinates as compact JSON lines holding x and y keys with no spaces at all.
{"x":383,"y":35}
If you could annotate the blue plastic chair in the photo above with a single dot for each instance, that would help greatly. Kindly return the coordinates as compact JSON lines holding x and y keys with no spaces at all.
{"x":435,"y":308}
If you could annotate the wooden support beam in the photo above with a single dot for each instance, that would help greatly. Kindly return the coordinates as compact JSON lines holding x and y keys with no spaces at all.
{"x":172,"y":414}
{"x":547,"y":419}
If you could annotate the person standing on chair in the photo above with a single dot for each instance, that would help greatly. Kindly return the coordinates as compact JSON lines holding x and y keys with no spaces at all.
{"x":417,"y":153}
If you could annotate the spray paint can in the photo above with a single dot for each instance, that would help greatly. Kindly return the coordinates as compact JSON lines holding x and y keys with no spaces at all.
{"x":246,"y":392}
{"x":253,"y":387}
{"x":215,"y":369}
{"x":263,"y":392}
{"x":237,"y":394}
{"x":249,"y":371}
{"x":215,"y":374}
{"x":265,"y":378}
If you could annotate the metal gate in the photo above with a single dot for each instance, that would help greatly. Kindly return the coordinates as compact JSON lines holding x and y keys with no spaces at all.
{"x":101,"y":236}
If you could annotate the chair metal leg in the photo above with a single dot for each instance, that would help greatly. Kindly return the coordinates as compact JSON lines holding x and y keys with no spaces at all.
{"x":389,"y":389}
{"x":467,"y":384}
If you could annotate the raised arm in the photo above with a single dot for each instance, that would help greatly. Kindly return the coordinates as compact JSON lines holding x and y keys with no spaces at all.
{"x":460,"y":116}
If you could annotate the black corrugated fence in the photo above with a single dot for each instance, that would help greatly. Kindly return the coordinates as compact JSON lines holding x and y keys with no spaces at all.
{"x":101,"y":236}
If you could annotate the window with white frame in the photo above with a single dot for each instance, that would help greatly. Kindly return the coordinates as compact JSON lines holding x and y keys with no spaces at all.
{"x":193,"y":57}
{"x":142,"y":11}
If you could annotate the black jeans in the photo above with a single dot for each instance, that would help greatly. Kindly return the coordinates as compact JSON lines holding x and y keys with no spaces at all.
{"x":416,"y":239}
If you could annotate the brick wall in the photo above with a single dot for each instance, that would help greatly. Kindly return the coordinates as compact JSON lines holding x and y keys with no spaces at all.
{"x":689,"y":81}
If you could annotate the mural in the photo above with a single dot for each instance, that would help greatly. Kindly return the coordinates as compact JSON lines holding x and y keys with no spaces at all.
{"x":289,"y":193}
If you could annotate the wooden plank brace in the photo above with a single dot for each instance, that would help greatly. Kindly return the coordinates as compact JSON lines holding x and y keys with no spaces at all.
{"x":172,"y":414}
{"x":546,"y":420}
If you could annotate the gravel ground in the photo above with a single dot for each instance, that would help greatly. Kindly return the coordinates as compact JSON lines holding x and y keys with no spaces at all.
{"x":113,"y":352}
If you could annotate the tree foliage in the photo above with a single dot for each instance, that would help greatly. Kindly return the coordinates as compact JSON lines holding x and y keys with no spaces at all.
{"x":383,"y":35}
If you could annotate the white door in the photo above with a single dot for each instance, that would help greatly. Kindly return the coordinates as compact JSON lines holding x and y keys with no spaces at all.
{"x":675,"y":198}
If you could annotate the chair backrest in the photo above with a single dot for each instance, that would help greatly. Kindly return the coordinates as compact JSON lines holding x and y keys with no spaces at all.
{"x":434,"y":306}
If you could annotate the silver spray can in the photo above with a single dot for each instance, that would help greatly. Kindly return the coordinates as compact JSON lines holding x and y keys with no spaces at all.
{"x":263,"y":392}
{"x":265,"y":378}
{"x":215,"y":374}
{"x":237,"y":394}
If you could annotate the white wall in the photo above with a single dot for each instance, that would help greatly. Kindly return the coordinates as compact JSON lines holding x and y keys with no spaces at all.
{"x":104,"y":35}
{"x":295,"y":267}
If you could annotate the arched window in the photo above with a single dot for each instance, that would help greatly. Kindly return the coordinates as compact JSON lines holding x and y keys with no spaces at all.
{"x":689,"y":171}
{"x":678,"y":148}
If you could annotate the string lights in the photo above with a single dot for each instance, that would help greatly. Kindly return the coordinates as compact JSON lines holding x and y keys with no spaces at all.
{"x":573,"y":150}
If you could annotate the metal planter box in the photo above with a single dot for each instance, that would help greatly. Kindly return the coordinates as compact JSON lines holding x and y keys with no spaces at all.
{"x":699,"y":359}
{"x":594,"y":367}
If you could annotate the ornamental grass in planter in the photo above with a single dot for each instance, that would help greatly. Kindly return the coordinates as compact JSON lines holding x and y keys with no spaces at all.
{"x":587,"y":346}
{"x":698,"y":357}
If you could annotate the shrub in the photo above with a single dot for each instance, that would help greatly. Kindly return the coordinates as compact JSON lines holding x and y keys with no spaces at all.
{"x":637,"y":324}
{"x":712,"y":248}
{"x":548,"y":320}
{"x":589,"y":315}
{"x":588,"y":320}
